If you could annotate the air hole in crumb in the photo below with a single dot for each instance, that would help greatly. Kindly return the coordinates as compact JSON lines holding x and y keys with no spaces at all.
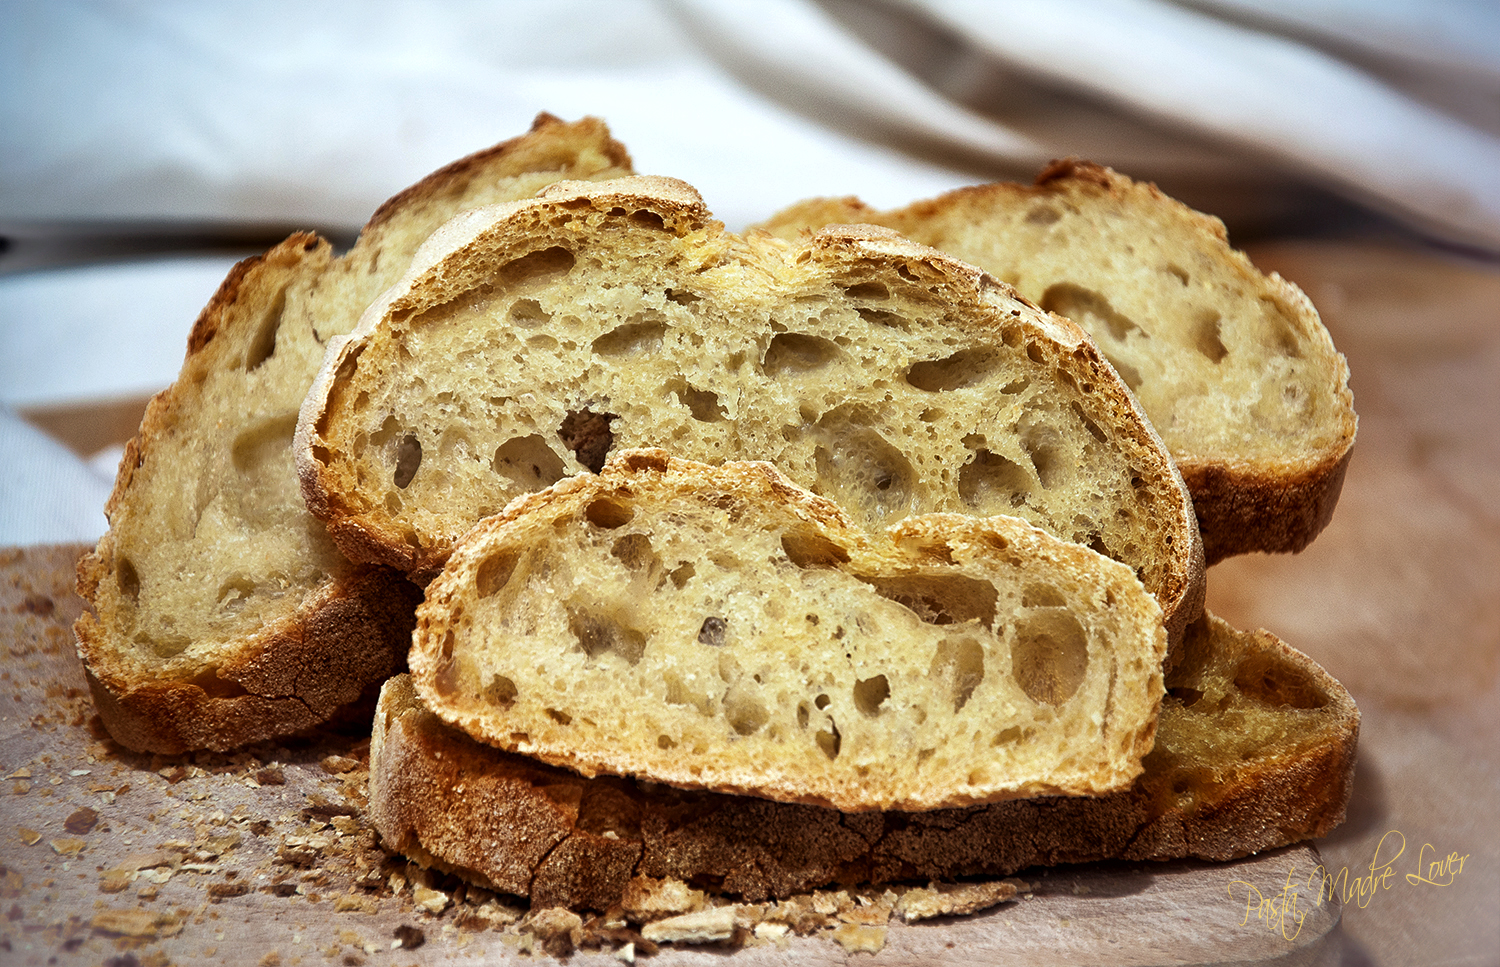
{"x":940,"y":599}
{"x":599,"y":635}
{"x":1042,"y":596}
{"x":1012,"y":734}
{"x":822,"y":701}
{"x":648,"y":219}
{"x":528,"y":314}
{"x":559,"y":716}
{"x":862,"y":470}
{"x":263,"y":345}
{"x":884,"y":318}
{"x":682,"y":574}
{"x":829,"y":740}
{"x":494,"y":572}
{"x":1206,"y":337}
{"x":868,"y":290}
{"x":703,"y":404}
{"x":634,"y":551}
{"x":446,"y":680}
{"x":1176,"y":271}
{"x":1044,"y":445}
{"x":608,"y":512}
{"x":965,"y":368}
{"x":1090,"y":310}
{"x":528,"y":462}
{"x":535,"y":267}
{"x":631,"y":339}
{"x":1050,"y":657}
{"x":588,"y":435}
{"x":811,"y":549}
{"x":665,"y":742}
{"x":803,"y":715}
{"x":869,"y":693}
{"x":992,"y":483}
{"x":127,"y":579}
{"x":713,"y":631}
{"x":959,"y":665}
{"x":408,"y":460}
{"x":500,"y":692}
{"x":743,"y":711}
{"x":793,"y":354}
{"x":1089,"y":424}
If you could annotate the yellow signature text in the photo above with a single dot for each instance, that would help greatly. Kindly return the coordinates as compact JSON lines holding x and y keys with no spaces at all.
{"x":1282,"y":911}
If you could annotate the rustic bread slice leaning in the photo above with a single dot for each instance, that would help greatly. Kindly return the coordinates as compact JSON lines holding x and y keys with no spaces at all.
{"x":1255,"y":749}
{"x":721,"y":628}
{"x":1234,"y":367}
{"x":530,"y":340}
{"x":222,"y":614}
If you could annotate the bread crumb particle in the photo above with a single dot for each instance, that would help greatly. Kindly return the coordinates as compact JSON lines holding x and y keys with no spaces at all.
{"x":857,"y":939}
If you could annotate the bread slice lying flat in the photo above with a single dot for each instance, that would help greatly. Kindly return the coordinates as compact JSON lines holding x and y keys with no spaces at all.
{"x":530,"y":340}
{"x":1234,"y":367}
{"x":1255,"y":750}
{"x":718,"y":627}
{"x":222,"y":613}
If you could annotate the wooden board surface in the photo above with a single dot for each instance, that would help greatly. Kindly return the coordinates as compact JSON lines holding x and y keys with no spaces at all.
{"x":263,"y":857}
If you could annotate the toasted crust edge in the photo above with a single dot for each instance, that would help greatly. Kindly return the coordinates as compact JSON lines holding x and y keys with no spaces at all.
{"x":265,"y":693}
{"x":593,"y":835}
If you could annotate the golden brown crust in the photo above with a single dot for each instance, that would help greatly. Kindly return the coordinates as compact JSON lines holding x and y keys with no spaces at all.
{"x":1243,"y":509}
{"x":554,"y":150}
{"x":479,"y":809}
{"x":286,"y":679}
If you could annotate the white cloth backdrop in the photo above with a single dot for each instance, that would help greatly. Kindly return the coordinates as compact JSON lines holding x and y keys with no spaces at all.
{"x":131,"y":114}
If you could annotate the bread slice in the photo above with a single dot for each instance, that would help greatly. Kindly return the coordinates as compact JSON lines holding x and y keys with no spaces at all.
{"x":222,"y":613}
{"x":532,"y":339}
{"x":1255,"y":750}
{"x":720,"y":628}
{"x":1234,"y":367}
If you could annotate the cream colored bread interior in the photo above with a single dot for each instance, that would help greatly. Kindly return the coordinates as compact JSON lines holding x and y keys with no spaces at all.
{"x":211,"y":551}
{"x":717,"y":627}
{"x":871,"y":371}
{"x":1231,"y":365}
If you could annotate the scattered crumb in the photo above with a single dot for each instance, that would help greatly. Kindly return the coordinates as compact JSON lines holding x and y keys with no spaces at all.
{"x":859,"y":939}
{"x":409,"y":937}
{"x":433,"y":901}
{"x":703,"y":926}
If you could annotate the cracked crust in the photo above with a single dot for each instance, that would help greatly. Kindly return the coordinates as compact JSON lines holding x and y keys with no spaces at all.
{"x":1212,"y":790}
{"x":221,"y":612}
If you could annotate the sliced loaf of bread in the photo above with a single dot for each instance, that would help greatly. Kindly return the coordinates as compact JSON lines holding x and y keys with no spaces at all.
{"x":530,"y":340}
{"x":222,"y":614}
{"x":721,"y":628}
{"x":1255,"y":750}
{"x":1235,"y":368}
